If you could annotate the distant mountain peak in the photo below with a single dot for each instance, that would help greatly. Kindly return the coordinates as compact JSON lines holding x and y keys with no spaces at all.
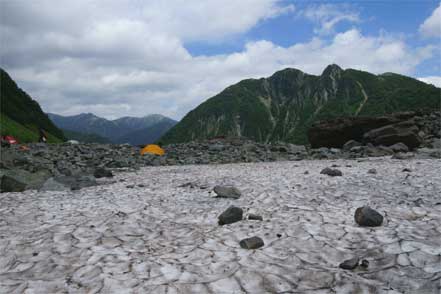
{"x":332,"y":70}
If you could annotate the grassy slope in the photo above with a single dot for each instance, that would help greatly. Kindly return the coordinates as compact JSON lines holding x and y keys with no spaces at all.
{"x":25,"y":134}
{"x":22,"y":113}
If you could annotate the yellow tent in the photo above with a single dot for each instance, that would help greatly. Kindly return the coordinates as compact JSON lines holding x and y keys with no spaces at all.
{"x":152,"y":149}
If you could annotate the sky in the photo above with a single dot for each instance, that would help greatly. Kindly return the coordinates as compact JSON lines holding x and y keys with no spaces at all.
{"x":118,"y":58}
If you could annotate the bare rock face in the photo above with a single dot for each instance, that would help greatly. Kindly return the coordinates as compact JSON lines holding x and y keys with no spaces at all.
{"x":336,"y":132}
{"x":227,"y":192}
{"x":368,"y":217}
{"x":251,"y":243}
{"x":404,"y":132}
{"x":231,"y":215}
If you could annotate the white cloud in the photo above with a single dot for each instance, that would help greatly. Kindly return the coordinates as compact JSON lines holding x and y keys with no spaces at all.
{"x":129,"y":58}
{"x":327,"y":16}
{"x":434,"y":80}
{"x":432,"y":25}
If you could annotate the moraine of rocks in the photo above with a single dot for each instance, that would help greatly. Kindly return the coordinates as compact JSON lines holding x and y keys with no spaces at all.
{"x":76,"y":166}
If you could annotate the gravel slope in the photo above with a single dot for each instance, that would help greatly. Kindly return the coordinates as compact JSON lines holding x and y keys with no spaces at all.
{"x":163,"y":237}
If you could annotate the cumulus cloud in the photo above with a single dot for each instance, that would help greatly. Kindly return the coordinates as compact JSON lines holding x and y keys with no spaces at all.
{"x":432,"y":25}
{"x":327,"y":16}
{"x":118,"y":58}
{"x":434,"y":80}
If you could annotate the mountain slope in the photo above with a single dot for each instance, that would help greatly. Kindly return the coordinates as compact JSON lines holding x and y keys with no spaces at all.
{"x":21,"y":116}
{"x":283,"y":106}
{"x":116,"y":131}
{"x":147,"y":135}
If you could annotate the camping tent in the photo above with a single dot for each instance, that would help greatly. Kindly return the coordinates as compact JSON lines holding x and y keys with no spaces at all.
{"x":10,"y":139}
{"x":152,"y":149}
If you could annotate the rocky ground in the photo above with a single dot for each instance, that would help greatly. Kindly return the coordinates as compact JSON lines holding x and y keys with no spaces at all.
{"x":74,"y":166}
{"x":156,"y":230}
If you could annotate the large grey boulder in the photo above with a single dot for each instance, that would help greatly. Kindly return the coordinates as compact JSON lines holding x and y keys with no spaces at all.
{"x":251,"y":243}
{"x":17,"y":180}
{"x":405,"y":132}
{"x":231,"y":215}
{"x":227,"y":192}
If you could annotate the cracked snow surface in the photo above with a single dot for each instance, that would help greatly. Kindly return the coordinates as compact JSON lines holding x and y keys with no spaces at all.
{"x":163,"y":237}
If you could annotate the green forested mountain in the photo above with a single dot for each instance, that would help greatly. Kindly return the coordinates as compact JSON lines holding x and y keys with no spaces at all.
{"x":21,"y":116}
{"x":283,"y":106}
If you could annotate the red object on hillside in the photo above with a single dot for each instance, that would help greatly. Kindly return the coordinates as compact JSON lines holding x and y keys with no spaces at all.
{"x":11,"y":140}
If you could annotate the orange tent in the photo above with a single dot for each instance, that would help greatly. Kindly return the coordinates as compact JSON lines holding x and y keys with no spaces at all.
{"x":152,"y":149}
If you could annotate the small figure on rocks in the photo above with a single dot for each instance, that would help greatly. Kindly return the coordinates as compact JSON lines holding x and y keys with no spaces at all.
{"x":231,"y":215}
{"x":368,"y":217}
{"x":331,"y":172}
{"x":350,"y":264}
{"x":372,"y":171}
{"x":251,"y":243}
{"x":227,"y":192}
{"x":43,"y":136}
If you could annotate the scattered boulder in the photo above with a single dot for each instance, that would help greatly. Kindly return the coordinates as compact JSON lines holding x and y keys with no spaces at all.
{"x":227,"y":192}
{"x":52,"y":185}
{"x":102,"y":172}
{"x":368,"y":217}
{"x":372,"y":171}
{"x":364,"y":263}
{"x":251,"y":243}
{"x":402,"y":155}
{"x":11,"y":184}
{"x":350,"y":144}
{"x":399,"y":147}
{"x":331,"y":172}
{"x":231,"y":215}
{"x":350,"y":264}
{"x":252,"y":216}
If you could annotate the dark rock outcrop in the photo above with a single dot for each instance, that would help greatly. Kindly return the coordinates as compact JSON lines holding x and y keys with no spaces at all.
{"x":410,"y":128}
{"x":336,"y":132}
{"x":404,"y":132}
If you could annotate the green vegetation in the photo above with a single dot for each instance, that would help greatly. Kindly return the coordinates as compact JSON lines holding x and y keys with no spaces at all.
{"x":22,"y":133}
{"x":21,"y":116}
{"x":283,"y":106}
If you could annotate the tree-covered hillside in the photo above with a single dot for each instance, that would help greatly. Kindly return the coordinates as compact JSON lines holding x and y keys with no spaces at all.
{"x":283,"y":106}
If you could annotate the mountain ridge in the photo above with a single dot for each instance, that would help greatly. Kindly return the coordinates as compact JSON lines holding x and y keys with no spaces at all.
{"x":118,"y":130}
{"x":283,"y":106}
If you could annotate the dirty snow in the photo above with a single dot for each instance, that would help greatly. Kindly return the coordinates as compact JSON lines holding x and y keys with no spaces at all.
{"x":163,"y":238}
